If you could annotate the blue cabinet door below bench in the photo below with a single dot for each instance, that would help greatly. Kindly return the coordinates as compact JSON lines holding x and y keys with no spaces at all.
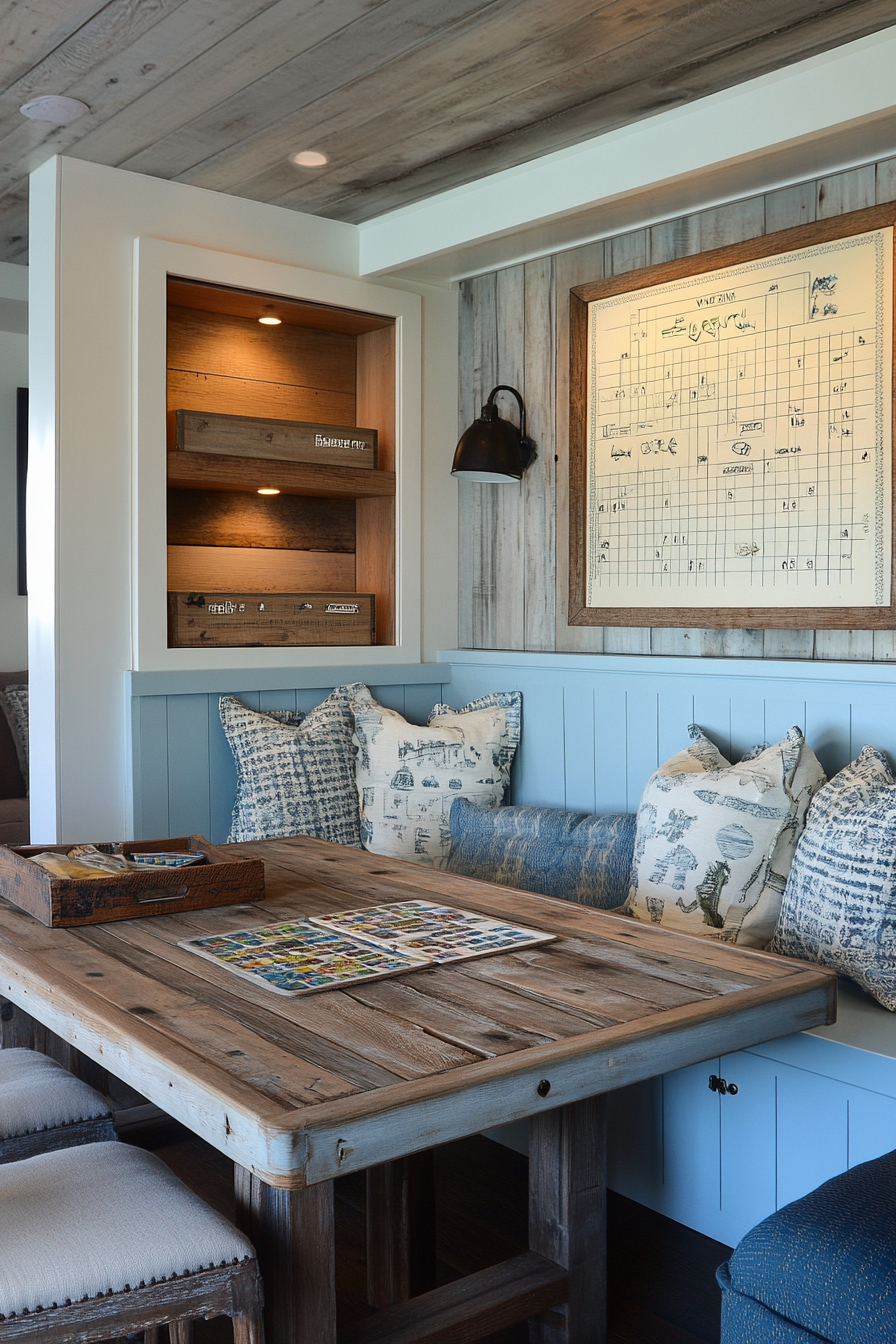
{"x":722,"y":1163}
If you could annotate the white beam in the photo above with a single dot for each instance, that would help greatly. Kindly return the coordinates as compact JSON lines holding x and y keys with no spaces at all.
{"x":818,"y":115}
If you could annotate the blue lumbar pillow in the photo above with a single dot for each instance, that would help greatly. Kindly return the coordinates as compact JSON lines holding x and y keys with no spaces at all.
{"x":574,"y":855}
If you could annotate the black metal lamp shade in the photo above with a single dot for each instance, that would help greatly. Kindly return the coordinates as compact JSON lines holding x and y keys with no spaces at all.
{"x":493,"y":449}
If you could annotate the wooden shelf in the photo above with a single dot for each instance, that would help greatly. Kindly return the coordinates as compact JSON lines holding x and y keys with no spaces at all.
{"x":214,"y":471}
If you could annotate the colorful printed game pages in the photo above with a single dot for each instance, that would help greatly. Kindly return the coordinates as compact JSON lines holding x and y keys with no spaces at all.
{"x":331,"y":951}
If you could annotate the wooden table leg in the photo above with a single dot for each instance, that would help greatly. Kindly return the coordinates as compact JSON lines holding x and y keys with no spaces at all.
{"x":401,"y":1240}
{"x":293,"y":1232}
{"x":568,"y":1217}
{"x":16,"y":1027}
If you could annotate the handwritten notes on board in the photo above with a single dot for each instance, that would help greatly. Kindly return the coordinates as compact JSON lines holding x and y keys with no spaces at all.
{"x":739,"y":434}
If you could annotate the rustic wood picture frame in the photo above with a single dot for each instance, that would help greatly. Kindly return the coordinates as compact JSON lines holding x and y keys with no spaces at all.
{"x":736,"y":617}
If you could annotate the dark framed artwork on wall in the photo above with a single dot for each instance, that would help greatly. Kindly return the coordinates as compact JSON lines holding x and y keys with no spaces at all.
{"x":731,"y":435}
{"x":21,"y":486}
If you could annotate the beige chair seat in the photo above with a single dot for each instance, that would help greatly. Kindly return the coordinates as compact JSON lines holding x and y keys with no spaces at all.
{"x":37,"y":1094}
{"x":103,"y":1218}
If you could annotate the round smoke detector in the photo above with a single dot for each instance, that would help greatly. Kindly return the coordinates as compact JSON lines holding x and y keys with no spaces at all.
{"x":55,"y":108}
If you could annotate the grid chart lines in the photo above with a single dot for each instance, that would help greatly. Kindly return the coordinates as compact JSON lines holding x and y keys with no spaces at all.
{"x":739,"y":444}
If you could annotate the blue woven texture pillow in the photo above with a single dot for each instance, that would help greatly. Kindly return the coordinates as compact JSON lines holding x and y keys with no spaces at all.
{"x":828,"y":1261}
{"x":839,"y":906}
{"x":295,"y":772}
{"x":573,"y":855}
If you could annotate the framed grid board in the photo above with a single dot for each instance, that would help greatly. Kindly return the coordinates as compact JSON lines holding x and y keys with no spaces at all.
{"x":731,"y":435}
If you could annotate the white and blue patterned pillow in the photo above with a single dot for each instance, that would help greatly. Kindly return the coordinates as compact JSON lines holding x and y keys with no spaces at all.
{"x":839,"y":906}
{"x":409,"y":776}
{"x":715,"y":841}
{"x":295,"y":772}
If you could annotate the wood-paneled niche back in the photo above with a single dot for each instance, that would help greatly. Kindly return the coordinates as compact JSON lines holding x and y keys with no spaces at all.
{"x":331,"y":528}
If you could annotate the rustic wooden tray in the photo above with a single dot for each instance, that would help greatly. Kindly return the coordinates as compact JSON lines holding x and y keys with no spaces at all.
{"x":224,"y":879}
{"x":284,"y":440}
{"x":269,"y":620}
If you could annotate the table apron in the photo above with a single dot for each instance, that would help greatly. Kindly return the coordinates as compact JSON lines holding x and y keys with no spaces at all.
{"x":353,"y":1142}
{"x":297,"y":1148}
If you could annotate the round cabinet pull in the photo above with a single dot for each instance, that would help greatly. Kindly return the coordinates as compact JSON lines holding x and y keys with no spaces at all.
{"x":543,"y":1087}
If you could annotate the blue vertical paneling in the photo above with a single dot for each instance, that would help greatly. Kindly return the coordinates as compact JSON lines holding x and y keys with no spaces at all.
{"x":812,"y":1131}
{"x":610,"y":748}
{"x":784,"y":707}
{"x":872,"y":1125}
{"x":221,"y":774}
{"x":692,"y":1188}
{"x":419,"y":700}
{"x":747,"y":719}
{"x":390,"y":696}
{"x":675,"y":713}
{"x":188,"y":793}
{"x":277,"y":700}
{"x":642,"y":750}
{"x":152,"y":820}
{"x":827,"y":730}
{"x":748,"y":1118}
{"x":712,"y":713}
{"x":872,"y":720}
{"x":579,"y":731}
{"x":308,"y":700}
{"x":540,"y":773}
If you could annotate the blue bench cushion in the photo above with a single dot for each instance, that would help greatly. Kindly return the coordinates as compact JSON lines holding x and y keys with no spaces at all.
{"x":827,"y":1262}
{"x":573,"y":855}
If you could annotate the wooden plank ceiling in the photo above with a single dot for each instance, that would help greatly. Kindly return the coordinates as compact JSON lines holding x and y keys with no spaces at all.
{"x":405,"y":97}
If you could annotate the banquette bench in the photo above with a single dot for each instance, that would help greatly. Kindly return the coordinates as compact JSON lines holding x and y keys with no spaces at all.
{"x":806,"y":1108}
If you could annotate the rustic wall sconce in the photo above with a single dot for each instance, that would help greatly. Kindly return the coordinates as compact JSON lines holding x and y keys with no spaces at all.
{"x":493,"y":449}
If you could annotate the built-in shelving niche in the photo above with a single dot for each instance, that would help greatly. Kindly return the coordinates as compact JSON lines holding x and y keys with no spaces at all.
{"x":331,"y":528}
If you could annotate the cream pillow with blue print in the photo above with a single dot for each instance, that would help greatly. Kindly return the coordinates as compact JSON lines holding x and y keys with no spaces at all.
{"x":409,"y":776}
{"x":715,"y":841}
{"x":839,"y":908}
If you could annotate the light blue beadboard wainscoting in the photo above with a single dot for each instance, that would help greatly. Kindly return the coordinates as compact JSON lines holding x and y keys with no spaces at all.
{"x":183,"y":770}
{"x":807,"y":1106}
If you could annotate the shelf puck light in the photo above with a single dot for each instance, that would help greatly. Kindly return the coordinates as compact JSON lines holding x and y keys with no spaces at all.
{"x":309,"y":158}
{"x":269,"y":318}
{"x":268,"y":490}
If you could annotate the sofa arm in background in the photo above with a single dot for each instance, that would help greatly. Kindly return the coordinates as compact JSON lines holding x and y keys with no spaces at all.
{"x":14,"y":821}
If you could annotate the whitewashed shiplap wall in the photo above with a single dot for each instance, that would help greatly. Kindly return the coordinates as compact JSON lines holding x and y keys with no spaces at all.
{"x":514,"y":539}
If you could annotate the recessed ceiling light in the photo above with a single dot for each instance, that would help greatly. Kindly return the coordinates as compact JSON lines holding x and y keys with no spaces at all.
{"x":54,"y":108}
{"x":268,"y":490}
{"x":309,"y":158}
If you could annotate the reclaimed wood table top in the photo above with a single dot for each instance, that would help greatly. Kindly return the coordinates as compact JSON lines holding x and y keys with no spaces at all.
{"x":299,"y":1090}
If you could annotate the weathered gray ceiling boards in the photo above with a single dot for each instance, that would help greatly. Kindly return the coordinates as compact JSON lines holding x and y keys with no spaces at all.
{"x":405,"y":97}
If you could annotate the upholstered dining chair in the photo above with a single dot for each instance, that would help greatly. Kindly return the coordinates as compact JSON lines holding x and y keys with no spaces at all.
{"x":43,"y":1107}
{"x":103,"y":1241}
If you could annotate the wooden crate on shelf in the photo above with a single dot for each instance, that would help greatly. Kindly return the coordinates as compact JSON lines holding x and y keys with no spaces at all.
{"x":269,"y":620}
{"x":280,"y":440}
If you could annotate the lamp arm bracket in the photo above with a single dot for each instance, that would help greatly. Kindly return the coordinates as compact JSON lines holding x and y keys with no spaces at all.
{"x":505,"y":387}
